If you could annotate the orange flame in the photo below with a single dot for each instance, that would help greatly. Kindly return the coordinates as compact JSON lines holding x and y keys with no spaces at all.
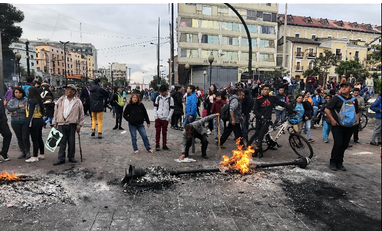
{"x":240,"y":158}
{"x":9,"y":177}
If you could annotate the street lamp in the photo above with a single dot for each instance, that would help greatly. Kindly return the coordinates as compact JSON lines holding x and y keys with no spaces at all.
{"x":187,"y":67}
{"x":204,"y":80}
{"x":210,"y":59}
{"x":18,"y":57}
{"x":112,"y":77}
{"x":66,"y":77}
{"x":257,"y":71}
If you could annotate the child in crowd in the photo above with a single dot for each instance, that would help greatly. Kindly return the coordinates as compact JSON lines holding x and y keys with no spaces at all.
{"x":216,"y":108}
{"x":326,"y":124}
{"x":49,"y":111}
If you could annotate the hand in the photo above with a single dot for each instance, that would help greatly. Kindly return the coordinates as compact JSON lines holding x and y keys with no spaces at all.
{"x":22,"y":106}
{"x":306,"y":118}
{"x":233,"y":122}
{"x":191,"y":117}
{"x":78,"y":128}
{"x":148,"y":125}
{"x":334,"y":123}
{"x":218,"y":114}
{"x":356,"y":123}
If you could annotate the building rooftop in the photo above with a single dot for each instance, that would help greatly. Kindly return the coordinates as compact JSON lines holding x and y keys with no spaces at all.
{"x":329,"y":23}
{"x":298,"y":40}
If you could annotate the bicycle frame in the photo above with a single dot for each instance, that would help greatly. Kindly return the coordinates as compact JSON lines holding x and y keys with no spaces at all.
{"x":281,"y":128}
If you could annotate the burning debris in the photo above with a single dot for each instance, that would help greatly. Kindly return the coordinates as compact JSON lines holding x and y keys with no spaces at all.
{"x":28,"y":193}
{"x":240,"y":159}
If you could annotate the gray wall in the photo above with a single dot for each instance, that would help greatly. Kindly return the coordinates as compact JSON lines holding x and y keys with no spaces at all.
{"x":221,"y":76}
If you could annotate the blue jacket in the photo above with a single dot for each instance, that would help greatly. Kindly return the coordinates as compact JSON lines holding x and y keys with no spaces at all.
{"x":191,"y":105}
{"x":376,"y":107}
{"x":315,"y":102}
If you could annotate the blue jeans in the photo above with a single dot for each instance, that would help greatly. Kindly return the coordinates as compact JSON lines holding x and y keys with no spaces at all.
{"x":326,"y":128}
{"x":48,"y":120}
{"x":307,"y":128}
{"x":280,"y":116}
{"x":187,"y":120}
{"x":315,"y":111}
{"x":133,"y":132}
{"x":245,"y":125}
{"x":215,"y":121}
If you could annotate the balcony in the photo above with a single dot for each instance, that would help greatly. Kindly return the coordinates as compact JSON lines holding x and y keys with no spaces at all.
{"x":339,"y":57}
{"x":298,"y":68}
{"x":311,"y":55}
{"x":299,"y":54}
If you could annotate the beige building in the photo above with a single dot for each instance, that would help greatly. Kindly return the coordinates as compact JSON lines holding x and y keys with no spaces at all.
{"x":205,"y":28}
{"x":308,"y":37}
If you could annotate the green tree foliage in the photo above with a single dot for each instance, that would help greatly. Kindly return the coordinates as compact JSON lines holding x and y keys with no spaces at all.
{"x":350,"y":67}
{"x":9,"y":15}
{"x":325,"y":62}
{"x":314,"y":71}
{"x":155,"y":82}
{"x":375,"y":56}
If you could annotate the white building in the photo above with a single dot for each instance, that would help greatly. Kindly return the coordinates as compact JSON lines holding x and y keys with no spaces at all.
{"x":20,"y":47}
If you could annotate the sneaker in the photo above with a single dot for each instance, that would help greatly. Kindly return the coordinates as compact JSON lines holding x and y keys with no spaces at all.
{"x":115,"y":128}
{"x":157,"y":148}
{"x":311,"y":140}
{"x":121,"y":128}
{"x":41,"y":157}
{"x":325,"y":141}
{"x":32,"y":159}
{"x":22,"y":156}
{"x":165,"y":148}
{"x":28,"y":155}
{"x":373,"y":143}
{"x":99,"y":135}
{"x":341,"y":167}
{"x":6,"y":158}
{"x":93,"y":132}
{"x":333,"y":166}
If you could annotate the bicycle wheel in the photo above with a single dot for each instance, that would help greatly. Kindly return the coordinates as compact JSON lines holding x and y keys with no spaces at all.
{"x":363,"y":121}
{"x":254,"y":144}
{"x":300,"y":145}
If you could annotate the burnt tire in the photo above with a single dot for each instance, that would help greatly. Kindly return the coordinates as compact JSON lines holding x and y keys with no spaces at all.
{"x":300,"y":145}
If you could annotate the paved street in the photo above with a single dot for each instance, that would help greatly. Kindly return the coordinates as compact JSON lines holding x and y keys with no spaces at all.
{"x":281,"y":198}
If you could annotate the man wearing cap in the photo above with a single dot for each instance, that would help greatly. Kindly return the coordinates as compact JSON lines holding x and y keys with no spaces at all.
{"x":341,"y":134}
{"x":68,"y":119}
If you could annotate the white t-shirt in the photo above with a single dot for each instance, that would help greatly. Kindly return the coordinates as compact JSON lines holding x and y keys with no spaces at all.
{"x":287,"y":78}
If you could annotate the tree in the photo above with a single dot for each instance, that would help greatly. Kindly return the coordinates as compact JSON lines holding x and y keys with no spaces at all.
{"x":325,"y":62}
{"x":314,"y":71}
{"x":353,"y":66}
{"x":9,"y":15}
{"x":375,"y":56}
{"x":155,"y":82}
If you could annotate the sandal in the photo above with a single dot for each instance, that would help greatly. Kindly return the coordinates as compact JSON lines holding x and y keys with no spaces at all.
{"x":136,"y":152}
{"x":150,"y":151}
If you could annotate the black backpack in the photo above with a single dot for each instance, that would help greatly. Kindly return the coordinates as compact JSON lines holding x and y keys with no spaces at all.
{"x":224,"y":113}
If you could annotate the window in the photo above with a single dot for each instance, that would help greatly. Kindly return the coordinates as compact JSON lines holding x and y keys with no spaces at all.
{"x":209,"y":24}
{"x":313,"y":36}
{"x":190,"y":38}
{"x":32,"y":64}
{"x":268,"y":4}
{"x":207,"y":10}
{"x":230,"y":55}
{"x":267,"y":43}
{"x":188,"y":22}
{"x":266,"y":58}
{"x":251,"y":28}
{"x":356,"y":55}
{"x":244,"y":42}
{"x":36,"y":62}
{"x":230,"y":26}
{"x":268,"y":30}
{"x":223,"y":11}
{"x":267,"y":17}
{"x":359,"y":39}
{"x":210,"y":39}
{"x":206,"y":53}
{"x":289,"y":18}
{"x":338,"y":52}
{"x":297,"y":35}
{"x":188,"y":53}
{"x":251,"y":14}
{"x":233,"y":41}
{"x":245,"y":56}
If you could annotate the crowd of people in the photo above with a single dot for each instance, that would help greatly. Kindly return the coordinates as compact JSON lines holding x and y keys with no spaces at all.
{"x":195,"y":112}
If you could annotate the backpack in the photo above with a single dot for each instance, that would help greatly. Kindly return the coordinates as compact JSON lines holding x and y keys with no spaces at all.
{"x":169,"y":102}
{"x":347,"y":115}
{"x":120,"y":101}
{"x":224,"y":113}
{"x":153,"y":96}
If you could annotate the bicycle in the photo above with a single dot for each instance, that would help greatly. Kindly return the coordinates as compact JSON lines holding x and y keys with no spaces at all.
{"x":297,"y":142}
{"x":362,"y":120}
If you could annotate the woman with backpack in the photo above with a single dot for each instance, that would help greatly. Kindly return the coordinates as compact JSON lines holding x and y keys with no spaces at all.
{"x":135,"y":113}
{"x":118,"y":103}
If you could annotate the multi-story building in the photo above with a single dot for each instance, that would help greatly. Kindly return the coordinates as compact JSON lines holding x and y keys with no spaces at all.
{"x":119,"y":72}
{"x":308,"y":37}
{"x":205,"y":28}
{"x":20,"y":47}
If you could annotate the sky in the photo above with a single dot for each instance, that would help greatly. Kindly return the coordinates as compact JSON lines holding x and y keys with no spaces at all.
{"x":128,"y":33}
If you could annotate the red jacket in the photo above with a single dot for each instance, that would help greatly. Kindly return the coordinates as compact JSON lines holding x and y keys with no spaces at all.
{"x":217,"y":106}
{"x":310,"y":81}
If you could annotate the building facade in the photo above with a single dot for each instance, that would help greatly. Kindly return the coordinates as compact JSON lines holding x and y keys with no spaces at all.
{"x":309,"y":37}
{"x":213,"y":28}
{"x":118,"y":72}
{"x":20,"y":47}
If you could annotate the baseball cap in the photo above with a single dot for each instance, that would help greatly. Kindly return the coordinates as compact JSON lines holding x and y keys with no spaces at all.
{"x":347,"y":83}
{"x":71,"y":86}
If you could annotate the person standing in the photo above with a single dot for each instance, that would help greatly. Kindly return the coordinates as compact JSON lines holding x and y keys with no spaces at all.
{"x":341,"y":134}
{"x":118,"y":104}
{"x":216,"y":109}
{"x":4,"y":131}
{"x":35,"y":112}
{"x":163,"y":110}
{"x":310,"y":82}
{"x":308,"y":116}
{"x":97,"y":96}
{"x":18,"y":121}
{"x":361,"y":107}
{"x":68,"y":119}
{"x":235,"y":110}
{"x":46,"y":92}
{"x":135,"y":113}
{"x":326,"y":124}
{"x":28,"y":85}
{"x":191,"y":105}
{"x":85,"y":98}
{"x":376,"y":107}
{"x":280,"y":111}
{"x":178,"y":107}
{"x":302,"y":86}
{"x":352,"y":79}
{"x":370,"y":84}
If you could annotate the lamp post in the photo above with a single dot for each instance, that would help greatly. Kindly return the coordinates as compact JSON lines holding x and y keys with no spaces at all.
{"x":112,"y":77}
{"x":210,"y":59}
{"x":204,"y":79}
{"x":18,"y":57}
{"x":66,"y":77}
{"x":187,"y":67}
{"x":257,"y":71}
